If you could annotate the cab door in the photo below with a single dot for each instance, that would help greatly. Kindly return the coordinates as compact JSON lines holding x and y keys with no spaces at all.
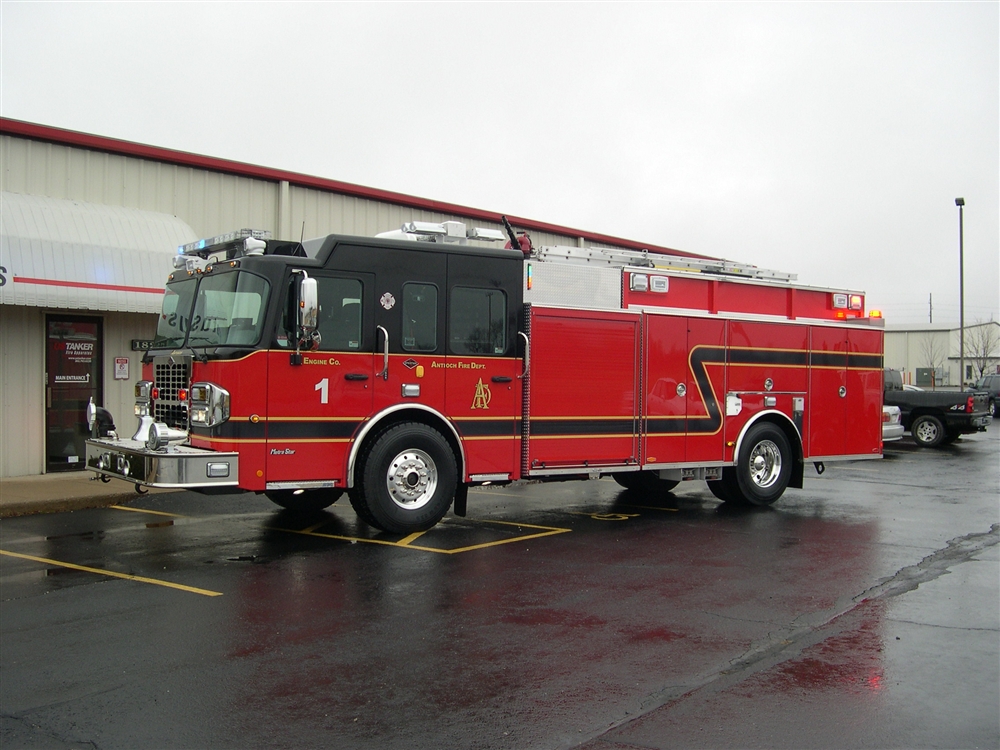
{"x":316,"y":408}
{"x":409,"y":329}
{"x":483,"y":396}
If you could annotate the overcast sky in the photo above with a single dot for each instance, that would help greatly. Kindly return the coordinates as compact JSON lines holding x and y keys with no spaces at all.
{"x":824,"y":139}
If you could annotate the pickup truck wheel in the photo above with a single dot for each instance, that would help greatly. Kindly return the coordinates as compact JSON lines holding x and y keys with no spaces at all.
{"x":409,"y":478}
{"x":764,"y":467}
{"x":643,"y":481}
{"x":928,"y":431}
{"x":993,"y":407}
{"x":306,"y":500}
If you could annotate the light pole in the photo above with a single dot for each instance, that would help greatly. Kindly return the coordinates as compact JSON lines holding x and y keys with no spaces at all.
{"x":960,"y":202}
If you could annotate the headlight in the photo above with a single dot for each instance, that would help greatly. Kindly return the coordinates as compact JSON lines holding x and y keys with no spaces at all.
{"x":209,"y":404}
{"x":143,"y":396}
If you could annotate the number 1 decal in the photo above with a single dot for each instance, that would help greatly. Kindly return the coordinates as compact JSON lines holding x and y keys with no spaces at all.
{"x":323,"y":387}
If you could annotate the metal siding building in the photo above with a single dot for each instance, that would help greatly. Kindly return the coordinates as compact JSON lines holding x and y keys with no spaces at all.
{"x":144,"y":198}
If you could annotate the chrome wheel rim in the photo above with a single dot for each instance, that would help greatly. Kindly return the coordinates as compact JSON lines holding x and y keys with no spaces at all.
{"x":411,"y":479}
{"x":926,"y":431}
{"x":765,"y":464}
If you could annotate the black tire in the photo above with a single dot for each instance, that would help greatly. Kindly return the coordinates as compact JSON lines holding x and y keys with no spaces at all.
{"x":993,"y":407}
{"x":763,"y":468}
{"x":305,"y":501}
{"x":723,"y":489}
{"x":928,"y":431}
{"x":644,"y":481}
{"x":408,"y":479}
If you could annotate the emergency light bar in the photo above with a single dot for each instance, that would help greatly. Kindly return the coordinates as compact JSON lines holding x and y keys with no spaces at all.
{"x":447,"y":231}
{"x":222,"y":241}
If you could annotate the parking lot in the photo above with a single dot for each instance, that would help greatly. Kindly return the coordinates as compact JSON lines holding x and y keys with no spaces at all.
{"x":861,"y":610}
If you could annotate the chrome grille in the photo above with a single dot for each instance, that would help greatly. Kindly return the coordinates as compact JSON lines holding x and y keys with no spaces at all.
{"x":169,"y":376}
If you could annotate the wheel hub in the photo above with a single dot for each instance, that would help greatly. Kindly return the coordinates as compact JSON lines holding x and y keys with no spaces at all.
{"x":765,"y":464}
{"x":412,"y":479}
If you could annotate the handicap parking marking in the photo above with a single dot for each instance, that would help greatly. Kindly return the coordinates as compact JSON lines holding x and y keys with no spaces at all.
{"x":407,"y":541}
{"x":112,"y":573}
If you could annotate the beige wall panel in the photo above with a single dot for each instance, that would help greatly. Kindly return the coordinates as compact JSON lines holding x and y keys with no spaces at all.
{"x":331,"y":213}
{"x":22,"y":391}
{"x":210,"y":202}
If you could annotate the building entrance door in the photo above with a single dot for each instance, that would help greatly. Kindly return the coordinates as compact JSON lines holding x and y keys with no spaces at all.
{"x":73,"y":368}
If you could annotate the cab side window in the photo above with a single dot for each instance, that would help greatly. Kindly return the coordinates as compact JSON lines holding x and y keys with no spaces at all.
{"x":339,"y":314}
{"x":419,"y":317}
{"x":478,"y":321}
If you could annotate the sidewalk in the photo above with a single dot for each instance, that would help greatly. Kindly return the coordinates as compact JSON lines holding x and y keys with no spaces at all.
{"x":54,"y":493}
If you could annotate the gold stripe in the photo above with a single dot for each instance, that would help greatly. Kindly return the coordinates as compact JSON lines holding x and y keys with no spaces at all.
{"x":112,"y":573}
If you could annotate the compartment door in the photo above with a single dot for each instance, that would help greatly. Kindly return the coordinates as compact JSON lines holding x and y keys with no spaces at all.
{"x":583,"y":408}
{"x":828,"y":389}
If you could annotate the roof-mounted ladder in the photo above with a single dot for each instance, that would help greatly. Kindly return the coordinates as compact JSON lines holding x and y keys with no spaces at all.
{"x":645,"y":259}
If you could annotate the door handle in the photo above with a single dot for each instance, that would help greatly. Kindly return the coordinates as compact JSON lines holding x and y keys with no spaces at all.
{"x":385,"y":353}
{"x":355,"y":376}
{"x":501,"y":379}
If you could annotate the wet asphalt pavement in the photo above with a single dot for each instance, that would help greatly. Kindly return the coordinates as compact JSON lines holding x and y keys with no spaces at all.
{"x":862,"y":611}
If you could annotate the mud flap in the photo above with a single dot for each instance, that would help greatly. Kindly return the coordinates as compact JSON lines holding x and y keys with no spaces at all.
{"x":461,"y":499}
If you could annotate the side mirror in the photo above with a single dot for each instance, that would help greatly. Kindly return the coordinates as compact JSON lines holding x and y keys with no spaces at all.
{"x":306,"y":317}
{"x":308,"y":313}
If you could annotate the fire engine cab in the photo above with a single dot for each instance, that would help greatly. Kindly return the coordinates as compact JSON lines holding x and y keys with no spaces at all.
{"x":405,"y":368}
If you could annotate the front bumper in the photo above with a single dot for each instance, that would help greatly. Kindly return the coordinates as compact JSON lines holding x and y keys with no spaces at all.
{"x":178,"y":466}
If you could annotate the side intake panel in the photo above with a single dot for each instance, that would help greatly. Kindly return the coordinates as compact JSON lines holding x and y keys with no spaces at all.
{"x":584,"y":407}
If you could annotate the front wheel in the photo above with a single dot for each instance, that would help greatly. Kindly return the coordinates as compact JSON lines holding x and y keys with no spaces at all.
{"x":928,"y":431}
{"x":409,"y":479}
{"x":763,"y":468}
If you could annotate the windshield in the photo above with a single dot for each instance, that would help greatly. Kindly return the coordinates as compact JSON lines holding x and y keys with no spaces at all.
{"x":227,"y":310}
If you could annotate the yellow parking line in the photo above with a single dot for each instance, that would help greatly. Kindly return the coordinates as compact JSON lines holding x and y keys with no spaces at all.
{"x":143,"y":510}
{"x":112,"y":573}
{"x":406,"y":542}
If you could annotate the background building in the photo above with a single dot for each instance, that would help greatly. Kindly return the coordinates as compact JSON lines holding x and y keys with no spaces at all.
{"x":929,"y":356}
{"x":88,"y":227}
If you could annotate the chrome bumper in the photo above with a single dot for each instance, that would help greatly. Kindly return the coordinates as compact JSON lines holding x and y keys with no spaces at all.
{"x":178,"y":466}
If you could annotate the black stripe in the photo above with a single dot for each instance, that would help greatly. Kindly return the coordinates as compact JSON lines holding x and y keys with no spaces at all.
{"x":277,"y":430}
{"x":763,"y":357}
{"x":865,"y":361}
{"x":232,"y":430}
{"x":486,"y":428}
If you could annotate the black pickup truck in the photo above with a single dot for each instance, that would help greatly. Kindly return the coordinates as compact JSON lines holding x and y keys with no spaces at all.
{"x":937,"y":417}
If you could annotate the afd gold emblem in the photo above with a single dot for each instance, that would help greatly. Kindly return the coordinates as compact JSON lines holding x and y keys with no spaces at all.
{"x":482,"y":398}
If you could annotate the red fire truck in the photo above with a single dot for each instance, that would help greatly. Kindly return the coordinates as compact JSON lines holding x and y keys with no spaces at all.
{"x":406,"y":368}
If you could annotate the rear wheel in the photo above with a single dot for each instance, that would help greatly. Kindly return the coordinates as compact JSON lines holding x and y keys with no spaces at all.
{"x":928,"y":431}
{"x":305,"y":500}
{"x":643,"y":481}
{"x":763,"y":469}
{"x":408,"y":479}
